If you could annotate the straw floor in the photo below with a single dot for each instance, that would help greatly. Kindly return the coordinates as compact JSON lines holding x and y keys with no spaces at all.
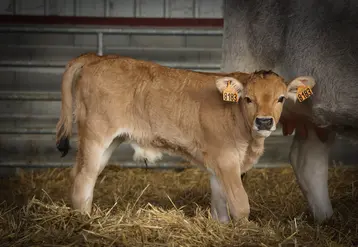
{"x":135,"y":207}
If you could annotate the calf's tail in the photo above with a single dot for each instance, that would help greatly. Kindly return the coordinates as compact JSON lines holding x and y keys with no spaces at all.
{"x":64,"y":125}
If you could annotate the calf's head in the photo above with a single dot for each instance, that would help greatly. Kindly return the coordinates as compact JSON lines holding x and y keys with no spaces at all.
{"x":261,"y":97}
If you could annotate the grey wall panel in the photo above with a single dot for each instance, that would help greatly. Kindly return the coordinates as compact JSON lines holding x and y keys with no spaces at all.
{"x":42,"y":53}
{"x":210,"y":8}
{"x":159,"y":41}
{"x":90,"y":7}
{"x":50,"y":109}
{"x":116,"y":40}
{"x":85,"y":39}
{"x":210,"y":57}
{"x":181,"y":9}
{"x":51,"y":54}
{"x":150,"y":40}
{"x":6,"y":7}
{"x":150,"y":8}
{"x":32,"y":81}
{"x":108,"y":40}
{"x":204,"y":41}
{"x":8,"y":80}
{"x":61,"y":8}
{"x":42,"y":80}
{"x":117,"y":8}
{"x":30,"y":7}
{"x":121,"y":8}
{"x":36,"y":39}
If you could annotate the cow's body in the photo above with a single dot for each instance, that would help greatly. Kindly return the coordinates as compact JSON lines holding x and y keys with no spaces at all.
{"x":159,"y":109}
{"x":317,"y":38}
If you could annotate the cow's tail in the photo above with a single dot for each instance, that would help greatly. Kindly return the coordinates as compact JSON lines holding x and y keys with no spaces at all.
{"x":64,"y":125}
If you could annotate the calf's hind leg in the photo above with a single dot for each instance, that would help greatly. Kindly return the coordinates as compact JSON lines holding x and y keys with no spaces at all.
{"x":92,"y":157}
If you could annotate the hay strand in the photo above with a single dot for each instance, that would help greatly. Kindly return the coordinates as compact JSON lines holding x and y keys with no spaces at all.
{"x":134,"y":207}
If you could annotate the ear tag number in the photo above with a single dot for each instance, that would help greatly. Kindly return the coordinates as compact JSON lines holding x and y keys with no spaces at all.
{"x":230,"y":94}
{"x":303,"y":93}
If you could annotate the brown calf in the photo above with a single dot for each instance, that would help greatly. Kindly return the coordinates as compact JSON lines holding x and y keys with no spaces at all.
{"x":159,"y":109}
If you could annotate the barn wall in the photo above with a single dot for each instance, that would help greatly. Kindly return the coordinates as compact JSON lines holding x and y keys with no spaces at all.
{"x":31,"y":66}
{"x":115,"y":8}
{"x":30,"y":94}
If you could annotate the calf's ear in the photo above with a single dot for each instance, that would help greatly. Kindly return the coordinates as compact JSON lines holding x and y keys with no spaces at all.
{"x":302,"y":81}
{"x":223,"y":82}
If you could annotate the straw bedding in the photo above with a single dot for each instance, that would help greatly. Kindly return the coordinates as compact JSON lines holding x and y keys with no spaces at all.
{"x":135,"y":207}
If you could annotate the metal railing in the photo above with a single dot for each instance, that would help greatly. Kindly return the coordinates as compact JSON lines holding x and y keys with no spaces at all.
{"x":60,"y":64}
{"x":19,"y":65}
{"x":101,"y":31}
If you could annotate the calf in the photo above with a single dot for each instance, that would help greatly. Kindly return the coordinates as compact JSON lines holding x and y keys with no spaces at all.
{"x":312,"y":37}
{"x":159,"y":109}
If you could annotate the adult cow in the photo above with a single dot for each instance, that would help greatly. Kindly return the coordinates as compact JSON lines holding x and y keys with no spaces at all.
{"x":311,"y":37}
{"x":159,"y":109}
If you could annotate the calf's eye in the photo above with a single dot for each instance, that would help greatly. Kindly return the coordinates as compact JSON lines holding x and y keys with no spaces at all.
{"x":281,"y":99}
{"x":248,"y":100}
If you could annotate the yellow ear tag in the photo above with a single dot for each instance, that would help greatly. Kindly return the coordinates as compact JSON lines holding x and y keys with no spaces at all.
{"x":230,"y":94}
{"x":303,"y":93}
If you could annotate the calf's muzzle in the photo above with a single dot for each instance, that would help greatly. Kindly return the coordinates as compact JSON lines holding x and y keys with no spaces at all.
{"x":264,"y":123}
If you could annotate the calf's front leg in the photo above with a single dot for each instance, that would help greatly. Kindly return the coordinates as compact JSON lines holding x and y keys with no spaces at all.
{"x":227,"y":187}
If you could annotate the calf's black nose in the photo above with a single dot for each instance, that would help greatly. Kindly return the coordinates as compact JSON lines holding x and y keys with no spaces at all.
{"x":264,"y":123}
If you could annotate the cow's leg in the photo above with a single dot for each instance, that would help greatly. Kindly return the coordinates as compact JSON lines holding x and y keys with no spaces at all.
{"x":92,"y":156}
{"x":229,"y":177}
{"x":218,"y":201}
{"x":309,"y":157}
